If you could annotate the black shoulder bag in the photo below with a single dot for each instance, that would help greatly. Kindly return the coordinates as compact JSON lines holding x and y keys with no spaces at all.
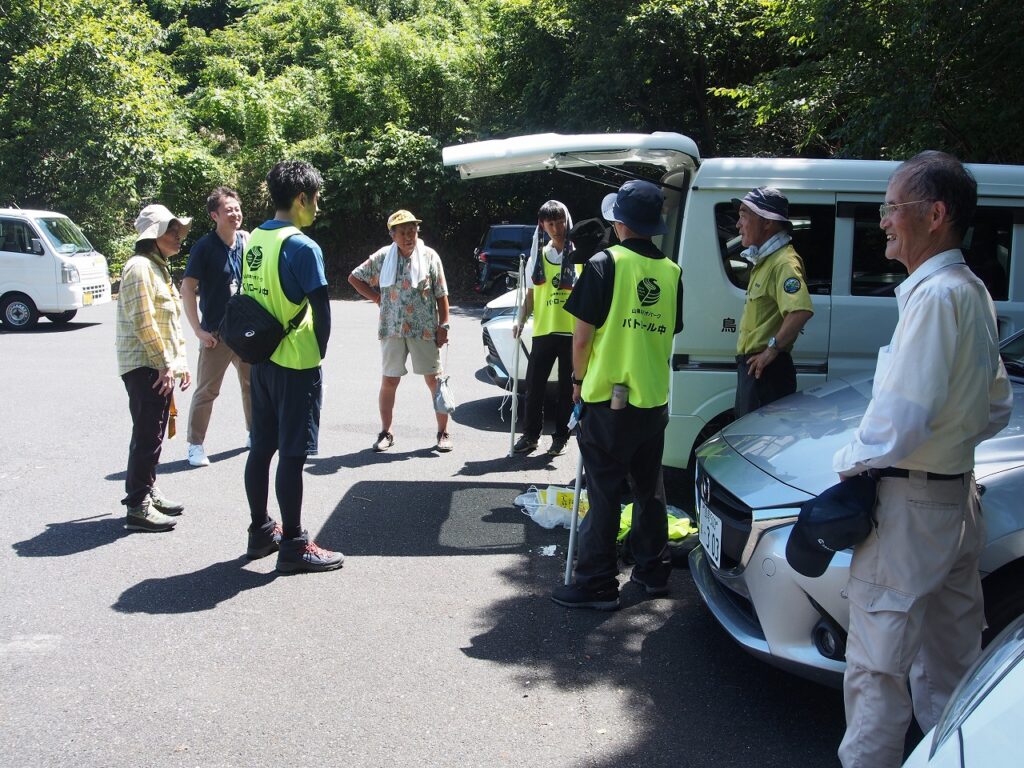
{"x":251,"y":331}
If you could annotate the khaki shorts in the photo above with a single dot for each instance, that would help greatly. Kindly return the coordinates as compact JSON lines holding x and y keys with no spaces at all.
{"x":426,"y":357}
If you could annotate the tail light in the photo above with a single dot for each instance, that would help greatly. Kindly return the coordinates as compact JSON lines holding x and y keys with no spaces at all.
{"x":482,"y":257}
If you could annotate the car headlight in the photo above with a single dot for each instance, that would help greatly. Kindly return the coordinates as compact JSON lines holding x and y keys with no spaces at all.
{"x":69,"y":273}
{"x":1004,"y":653}
{"x":490,"y":314}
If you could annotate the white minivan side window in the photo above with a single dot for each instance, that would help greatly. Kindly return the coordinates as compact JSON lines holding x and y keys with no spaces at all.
{"x":986,"y":248}
{"x":814,"y":230}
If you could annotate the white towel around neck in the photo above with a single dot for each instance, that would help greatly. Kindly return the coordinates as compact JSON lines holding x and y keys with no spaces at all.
{"x":417,"y":265}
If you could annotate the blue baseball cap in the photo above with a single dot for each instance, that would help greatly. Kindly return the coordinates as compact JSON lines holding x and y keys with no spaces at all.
{"x":841,"y":517}
{"x":638,"y":205}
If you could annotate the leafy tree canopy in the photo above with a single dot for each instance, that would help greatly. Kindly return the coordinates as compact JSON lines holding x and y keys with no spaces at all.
{"x":106,"y":105}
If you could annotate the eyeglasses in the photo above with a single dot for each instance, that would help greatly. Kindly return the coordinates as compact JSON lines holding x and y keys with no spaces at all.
{"x":887,"y":209}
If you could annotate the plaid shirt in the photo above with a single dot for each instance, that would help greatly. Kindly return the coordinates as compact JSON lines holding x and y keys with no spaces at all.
{"x":149,"y":318}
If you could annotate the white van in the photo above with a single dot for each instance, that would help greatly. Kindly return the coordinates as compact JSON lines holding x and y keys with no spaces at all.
{"x":834,"y":209}
{"x":48,"y":268}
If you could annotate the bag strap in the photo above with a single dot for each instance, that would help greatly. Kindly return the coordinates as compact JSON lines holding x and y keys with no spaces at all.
{"x":299,"y":317}
{"x":301,"y":314}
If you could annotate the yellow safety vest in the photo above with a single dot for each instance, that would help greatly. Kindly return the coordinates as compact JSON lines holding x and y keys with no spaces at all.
{"x":549,"y":315}
{"x":261,"y":280}
{"x":634,"y":344}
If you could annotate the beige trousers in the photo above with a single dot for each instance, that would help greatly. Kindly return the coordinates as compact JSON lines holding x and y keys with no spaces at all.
{"x":916,"y":613}
{"x":213,"y":363}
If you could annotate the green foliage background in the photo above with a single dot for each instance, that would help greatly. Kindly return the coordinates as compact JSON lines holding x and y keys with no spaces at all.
{"x":107,"y":105}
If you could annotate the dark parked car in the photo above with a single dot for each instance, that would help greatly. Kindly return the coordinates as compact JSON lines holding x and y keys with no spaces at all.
{"x":499,"y":252}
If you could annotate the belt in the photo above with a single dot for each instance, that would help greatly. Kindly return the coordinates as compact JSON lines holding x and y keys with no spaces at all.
{"x":898,"y":472}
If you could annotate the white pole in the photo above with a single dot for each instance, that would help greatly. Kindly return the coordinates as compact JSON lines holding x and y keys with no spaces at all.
{"x":514,"y":373}
{"x":575,"y":521}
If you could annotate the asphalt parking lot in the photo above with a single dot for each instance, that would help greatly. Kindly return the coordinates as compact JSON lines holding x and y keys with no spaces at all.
{"x":435,"y":645}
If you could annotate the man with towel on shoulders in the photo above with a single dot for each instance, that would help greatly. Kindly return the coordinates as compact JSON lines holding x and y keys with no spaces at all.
{"x":406,"y":280}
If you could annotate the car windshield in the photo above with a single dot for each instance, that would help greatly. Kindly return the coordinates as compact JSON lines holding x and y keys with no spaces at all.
{"x":65,"y":236}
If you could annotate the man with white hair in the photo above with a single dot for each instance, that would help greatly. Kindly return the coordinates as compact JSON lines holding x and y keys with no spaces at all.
{"x":940,"y":389}
{"x":550,"y":277}
{"x":778,"y":304}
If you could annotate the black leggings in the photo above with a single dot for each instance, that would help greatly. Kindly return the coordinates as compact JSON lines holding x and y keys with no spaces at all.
{"x":287,"y":485}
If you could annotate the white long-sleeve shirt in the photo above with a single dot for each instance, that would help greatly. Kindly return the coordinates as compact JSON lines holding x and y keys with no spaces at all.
{"x":940,"y":387}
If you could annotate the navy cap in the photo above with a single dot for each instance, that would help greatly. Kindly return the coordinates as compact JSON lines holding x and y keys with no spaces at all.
{"x":841,"y":517}
{"x":766,"y":202}
{"x":638,"y":205}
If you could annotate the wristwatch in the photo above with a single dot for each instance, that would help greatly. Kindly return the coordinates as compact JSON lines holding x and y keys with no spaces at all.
{"x":772,"y":344}
{"x":577,"y":382}
{"x":445,"y":326}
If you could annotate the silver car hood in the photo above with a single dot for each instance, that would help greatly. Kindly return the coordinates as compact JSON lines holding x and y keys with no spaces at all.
{"x":794,"y":439}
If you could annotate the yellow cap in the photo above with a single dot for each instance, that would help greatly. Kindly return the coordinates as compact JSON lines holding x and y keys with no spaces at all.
{"x":401,"y":217}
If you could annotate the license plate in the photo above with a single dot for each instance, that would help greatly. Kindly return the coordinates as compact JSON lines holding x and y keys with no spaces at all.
{"x":86,"y":299}
{"x":711,"y":534}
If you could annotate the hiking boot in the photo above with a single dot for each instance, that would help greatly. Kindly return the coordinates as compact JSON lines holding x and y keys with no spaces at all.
{"x":524,"y":444}
{"x":197,"y":456}
{"x":302,"y":554}
{"x":163,"y":504}
{"x":264,"y":540}
{"x":145,"y":518}
{"x":653,"y":586}
{"x":575,"y":596}
{"x":557,"y":446}
{"x":444,"y":442}
{"x":384,"y":441}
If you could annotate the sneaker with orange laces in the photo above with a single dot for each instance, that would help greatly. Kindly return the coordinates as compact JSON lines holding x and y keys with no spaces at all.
{"x":302,"y":554}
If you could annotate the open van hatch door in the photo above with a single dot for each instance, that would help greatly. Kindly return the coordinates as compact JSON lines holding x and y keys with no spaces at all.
{"x":672,"y":152}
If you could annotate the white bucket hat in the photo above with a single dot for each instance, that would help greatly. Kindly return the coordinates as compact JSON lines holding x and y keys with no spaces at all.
{"x":154,"y":220}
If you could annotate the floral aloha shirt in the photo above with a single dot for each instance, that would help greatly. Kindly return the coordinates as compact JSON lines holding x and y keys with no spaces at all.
{"x":407,"y":311}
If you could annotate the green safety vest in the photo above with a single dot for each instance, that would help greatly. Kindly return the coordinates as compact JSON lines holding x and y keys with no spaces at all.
{"x":634,"y":344}
{"x":298,"y":350}
{"x":549,"y":315}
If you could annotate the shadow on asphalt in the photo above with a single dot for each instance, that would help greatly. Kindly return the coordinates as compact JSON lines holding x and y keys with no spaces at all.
{"x":503,"y":463}
{"x":44,"y":326}
{"x":73,"y":536}
{"x":366,"y":457}
{"x":202,"y":590}
{"x":416,"y":519}
{"x":481,"y":414}
{"x":695,"y":687}
{"x":181,"y":465}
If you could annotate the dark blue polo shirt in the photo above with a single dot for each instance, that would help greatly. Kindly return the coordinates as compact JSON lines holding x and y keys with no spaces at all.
{"x":218,"y":269}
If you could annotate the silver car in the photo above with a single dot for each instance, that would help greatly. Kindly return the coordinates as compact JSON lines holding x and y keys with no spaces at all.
{"x":751,"y":479}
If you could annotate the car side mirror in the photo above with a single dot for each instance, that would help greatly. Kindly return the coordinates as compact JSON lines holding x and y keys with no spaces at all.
{"x":37,"y":246}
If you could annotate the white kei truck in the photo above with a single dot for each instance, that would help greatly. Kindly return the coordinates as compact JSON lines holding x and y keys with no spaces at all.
{"x":47,"y":268}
